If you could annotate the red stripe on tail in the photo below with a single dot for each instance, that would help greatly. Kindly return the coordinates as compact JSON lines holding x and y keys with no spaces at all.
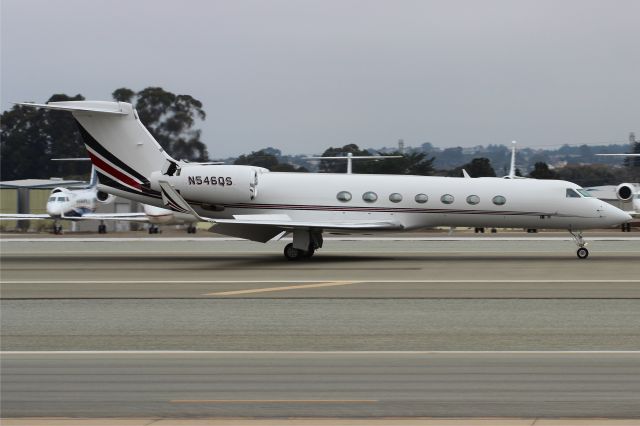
{"x":99,"y":163}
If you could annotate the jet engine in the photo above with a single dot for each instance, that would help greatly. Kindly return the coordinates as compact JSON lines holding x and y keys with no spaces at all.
{"x":626,"y":191}
{"x":104,"y":198}
{"x":213,"y":184}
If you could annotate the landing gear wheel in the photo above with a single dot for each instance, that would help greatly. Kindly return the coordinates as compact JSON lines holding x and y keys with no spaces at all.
{"x":57,"y":229}
{"x":582,"y":253}
{"x":191,"y":230}
{"x":153,"y":229}
{"x":292,"y":253}
{"x":102,"y":229}
{"x":307,"y":254}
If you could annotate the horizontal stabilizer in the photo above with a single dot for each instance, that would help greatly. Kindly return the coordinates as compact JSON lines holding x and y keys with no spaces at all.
{"x":96,"y":107}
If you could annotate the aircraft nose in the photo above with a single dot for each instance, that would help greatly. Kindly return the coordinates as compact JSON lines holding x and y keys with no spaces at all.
{"x":617,"y":216}
{"x":53,"y":209}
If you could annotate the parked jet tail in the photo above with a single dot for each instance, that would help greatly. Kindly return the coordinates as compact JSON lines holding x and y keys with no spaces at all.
{"x":121,"y":149}
{"x":93,"y":180}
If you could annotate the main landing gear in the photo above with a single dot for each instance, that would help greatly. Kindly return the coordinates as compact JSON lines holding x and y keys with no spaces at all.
{"x":582,"y":252}
{"x":153,"y":229}
{"x":191,"y":229}
{"x":102,"y":228}
{"x":305,"y":244}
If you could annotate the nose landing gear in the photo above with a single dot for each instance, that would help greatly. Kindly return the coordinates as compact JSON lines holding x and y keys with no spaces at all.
{"x":57,"y":228}
{"x":582,"y":252}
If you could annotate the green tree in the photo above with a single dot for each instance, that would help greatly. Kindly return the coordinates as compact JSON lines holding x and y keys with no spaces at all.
{"x":541,"y":171}
{"x":591,"y":175}
{"x":170,"y":118}
{"x":340,"y":166}
{"x":263,"y":158}
{"x":32,"y":136}
{"x":414,"y":163}
{"x":478,"y":167}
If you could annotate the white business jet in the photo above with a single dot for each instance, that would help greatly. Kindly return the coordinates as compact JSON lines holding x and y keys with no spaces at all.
{"x":625,"y":196}
{"x":76,"y":204}
{"x":258,"y":205}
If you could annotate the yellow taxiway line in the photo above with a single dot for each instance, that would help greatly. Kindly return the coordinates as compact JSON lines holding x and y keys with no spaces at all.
{"x":273,"y":401}
{"x":284,"y":288}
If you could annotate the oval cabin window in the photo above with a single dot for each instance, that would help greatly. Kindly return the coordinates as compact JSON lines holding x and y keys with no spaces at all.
{"x":447,"y":199}
{"x":395,"y":197}
{"x":422,"y":198}
{"x":370,"y":197}
{"x":473,"y":199}
{"x":499,"y":200}
{"x":344,"y":196}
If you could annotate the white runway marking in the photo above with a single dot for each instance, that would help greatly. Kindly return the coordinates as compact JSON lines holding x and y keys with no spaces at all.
{"x":227,"y":239}
{"x":549,"y":281}
{"x":188,"y":352}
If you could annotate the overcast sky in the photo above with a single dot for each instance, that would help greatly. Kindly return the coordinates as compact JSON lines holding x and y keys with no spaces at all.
{"x":301,"y":75}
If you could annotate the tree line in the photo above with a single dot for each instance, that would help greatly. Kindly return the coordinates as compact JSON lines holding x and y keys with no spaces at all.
{"x":32,"y":136}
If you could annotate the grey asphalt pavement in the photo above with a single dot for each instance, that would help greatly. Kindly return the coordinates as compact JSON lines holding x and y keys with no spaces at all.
{"x":322,"y":385}
{"x":401,"y":296}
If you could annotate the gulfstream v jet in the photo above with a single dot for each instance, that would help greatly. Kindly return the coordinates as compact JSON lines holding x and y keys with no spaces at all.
{"x":259,"y":205}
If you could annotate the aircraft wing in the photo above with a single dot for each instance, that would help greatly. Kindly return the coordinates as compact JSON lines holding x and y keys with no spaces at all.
{"x":292,"y":224}
{"x":174,"y":201}
{"x":21,"y":216}
{"x":125,"y":217}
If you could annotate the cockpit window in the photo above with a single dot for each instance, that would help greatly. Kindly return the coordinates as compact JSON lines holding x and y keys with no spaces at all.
{"x":52,"y":198}
{"x":584,"y":192}
{"x":60,"y":198}
{"x":572,"y":194}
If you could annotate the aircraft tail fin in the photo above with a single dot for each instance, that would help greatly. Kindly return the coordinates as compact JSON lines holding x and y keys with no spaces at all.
{"x":512,"y":166}
{"x":121,"y":148}
{"x":94,"y":177}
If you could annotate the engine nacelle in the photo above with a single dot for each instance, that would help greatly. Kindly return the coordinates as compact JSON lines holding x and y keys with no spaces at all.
{"x":104,"y":198}
{"x":213,"y":184}
{"x":626,"y":191}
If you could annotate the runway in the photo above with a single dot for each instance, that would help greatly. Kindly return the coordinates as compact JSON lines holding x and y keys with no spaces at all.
{"x":322,"y":385}
{"x":381,"y":306}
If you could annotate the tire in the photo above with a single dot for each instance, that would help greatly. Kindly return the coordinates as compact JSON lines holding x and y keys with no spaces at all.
{"x":582,"y":253}
{"x":292,"y":253}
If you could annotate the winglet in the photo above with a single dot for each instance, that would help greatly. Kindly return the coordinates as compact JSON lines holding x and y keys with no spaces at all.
{"x":174,"y":201}
{"x":79,"y":106}
{"x":465,"y":174}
